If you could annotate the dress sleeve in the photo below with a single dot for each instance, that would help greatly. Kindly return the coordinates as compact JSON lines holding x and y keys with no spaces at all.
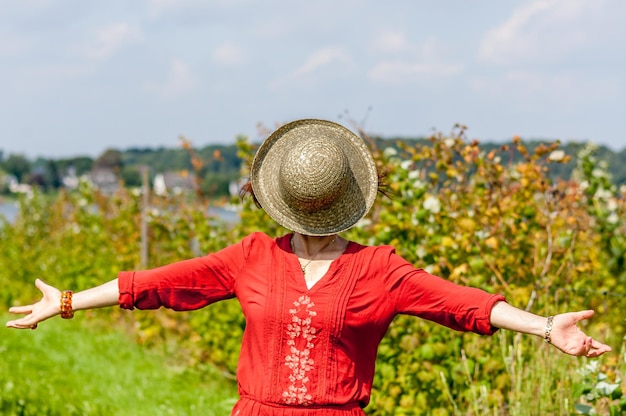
{"x":185,"y":285}
{"x":417,"y":292}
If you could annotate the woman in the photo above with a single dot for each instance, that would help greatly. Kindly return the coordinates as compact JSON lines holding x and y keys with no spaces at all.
{"x":316,"y":305}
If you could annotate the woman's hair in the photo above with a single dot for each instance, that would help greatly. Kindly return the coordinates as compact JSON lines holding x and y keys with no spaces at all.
{"x":246,"y":189}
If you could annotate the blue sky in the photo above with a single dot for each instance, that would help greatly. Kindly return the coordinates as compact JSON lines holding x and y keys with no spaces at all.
{"x":78,"y":77}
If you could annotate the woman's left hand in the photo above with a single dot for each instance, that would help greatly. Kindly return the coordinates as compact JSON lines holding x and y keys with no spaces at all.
{"x":567,"y":337}
{"x":564,"y":335}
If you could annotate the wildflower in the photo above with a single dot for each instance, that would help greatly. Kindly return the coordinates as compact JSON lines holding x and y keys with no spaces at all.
{"x":556,"y":155}
{"x":432,"y":204}
{"x":406,"y":164}
{"x":599,"y":173}
{"x":390,"y":151}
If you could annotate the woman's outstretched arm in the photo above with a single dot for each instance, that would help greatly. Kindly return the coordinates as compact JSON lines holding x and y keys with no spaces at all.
{"x":563,"y":331}
{"x":50,"y":304}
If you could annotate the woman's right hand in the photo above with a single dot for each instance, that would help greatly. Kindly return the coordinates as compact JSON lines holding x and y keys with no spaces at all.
{"x":47,"y":307}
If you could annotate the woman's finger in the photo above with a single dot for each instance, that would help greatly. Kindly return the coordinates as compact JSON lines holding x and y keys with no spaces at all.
{"x":23,"y":323}
{"x":42,"y":286}
{"x":599,"y":346}
{"x":21,"y":309}
{"x":582,"y":315}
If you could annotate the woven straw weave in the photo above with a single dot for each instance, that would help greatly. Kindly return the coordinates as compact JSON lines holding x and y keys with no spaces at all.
{"x":314,"y":177}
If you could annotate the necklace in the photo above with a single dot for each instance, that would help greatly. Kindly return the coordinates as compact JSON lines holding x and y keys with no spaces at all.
{"x":305,"y":265}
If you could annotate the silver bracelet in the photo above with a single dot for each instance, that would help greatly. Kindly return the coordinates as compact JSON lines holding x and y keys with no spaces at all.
{"x":546,"y":336}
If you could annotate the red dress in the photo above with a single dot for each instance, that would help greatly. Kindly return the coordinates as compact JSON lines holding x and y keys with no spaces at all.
{"x":308,"y":351}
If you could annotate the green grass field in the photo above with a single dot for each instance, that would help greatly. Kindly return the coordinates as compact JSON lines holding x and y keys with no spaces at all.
{"x":78,"y":368}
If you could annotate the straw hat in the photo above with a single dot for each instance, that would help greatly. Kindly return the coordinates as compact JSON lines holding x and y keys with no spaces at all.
{"x":314,"y":177}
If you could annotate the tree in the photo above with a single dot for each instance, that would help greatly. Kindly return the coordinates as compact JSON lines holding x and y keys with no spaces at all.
{"x":4,"y":187}
{"x":131,"y":176}
{"x":18,"y":166}
{"x":110,"y":159}
{"x":52,"y":175}
{"x":79,"y":165}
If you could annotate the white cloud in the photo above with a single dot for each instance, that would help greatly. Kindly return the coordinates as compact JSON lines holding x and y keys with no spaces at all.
{"x":179,"y":81}
{"x":229,"y":54}
{"x":412,"y":62}
{"x":543,"y":29}
{"x":398,"y":43}
{"x":400,"y":72}
{"x":322,"y":58}
{"x":391,"y":42}
{"x":327,"y":62}
{"x":109,"y":39}
{"x":165,"y":8}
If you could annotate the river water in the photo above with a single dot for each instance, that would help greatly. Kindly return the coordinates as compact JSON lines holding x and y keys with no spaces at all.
{"x":9,"y":210}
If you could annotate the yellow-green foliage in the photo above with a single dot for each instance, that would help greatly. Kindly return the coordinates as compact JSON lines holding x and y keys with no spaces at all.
{"x":477,"y":218}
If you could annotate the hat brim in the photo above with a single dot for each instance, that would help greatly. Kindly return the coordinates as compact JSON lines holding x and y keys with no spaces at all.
{"x":346,"y":210}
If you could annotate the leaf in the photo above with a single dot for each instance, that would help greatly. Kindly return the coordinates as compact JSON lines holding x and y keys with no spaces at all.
{"x":584,"y":409}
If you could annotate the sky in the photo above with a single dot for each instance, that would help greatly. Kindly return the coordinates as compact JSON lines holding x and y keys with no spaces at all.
{"x":80,"y":77}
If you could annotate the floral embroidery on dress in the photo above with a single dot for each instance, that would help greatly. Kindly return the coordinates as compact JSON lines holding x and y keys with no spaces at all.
{"x":298,"y":359}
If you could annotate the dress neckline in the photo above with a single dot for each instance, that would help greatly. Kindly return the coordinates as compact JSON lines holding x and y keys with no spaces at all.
{"x":295,"y":271}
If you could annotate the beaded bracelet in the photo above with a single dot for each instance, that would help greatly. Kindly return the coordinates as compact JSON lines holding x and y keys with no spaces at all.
{"x":66,"y":304}
{"x":546,"y":337}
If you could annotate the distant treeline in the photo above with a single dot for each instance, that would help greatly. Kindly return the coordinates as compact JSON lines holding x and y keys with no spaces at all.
{"x":217,"y":166}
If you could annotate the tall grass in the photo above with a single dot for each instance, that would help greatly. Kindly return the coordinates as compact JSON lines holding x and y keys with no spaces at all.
{"x":545,"y":382}
{"x":78,"y":368}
